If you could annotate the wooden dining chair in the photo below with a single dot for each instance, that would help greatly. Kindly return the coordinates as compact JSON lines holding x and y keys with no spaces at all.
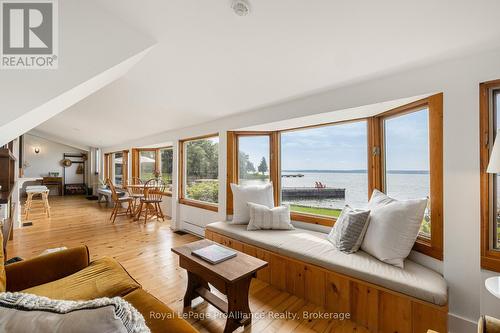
{"x":153,"y":196}
{"x":118,"y":201}
{"x":135,"y":191}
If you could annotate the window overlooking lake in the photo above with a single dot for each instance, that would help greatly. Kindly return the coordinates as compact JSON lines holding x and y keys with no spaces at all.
{"x":317,"y":170}
{"x":147,"y":164}
{"x":201,"y":171}
{"x":253,"y":159}
{"x":117,"y":160}
{"x":406,"y":159}
{"x":166,"y":158}
{"x":324,"y":168}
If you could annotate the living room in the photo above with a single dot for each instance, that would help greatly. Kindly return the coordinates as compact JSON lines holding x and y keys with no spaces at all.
{"x":204,"y":123}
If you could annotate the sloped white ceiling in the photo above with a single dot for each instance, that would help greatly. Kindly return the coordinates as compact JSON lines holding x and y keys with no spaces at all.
{"x":210,"y":63}
{"x":95,"y":48}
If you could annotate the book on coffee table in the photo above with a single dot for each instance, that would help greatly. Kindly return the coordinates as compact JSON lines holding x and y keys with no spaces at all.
{"x":214,"y":254}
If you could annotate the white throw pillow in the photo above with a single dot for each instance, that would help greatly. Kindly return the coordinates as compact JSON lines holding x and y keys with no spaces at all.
{"x":348,"y":231}
{"x":20,"y":312}
{"x":264,"y":218}
{"x":393,"y":227}
{"x":242,"y":195}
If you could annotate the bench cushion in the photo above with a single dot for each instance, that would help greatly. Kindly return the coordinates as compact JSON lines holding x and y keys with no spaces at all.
{"x":313,"y":247}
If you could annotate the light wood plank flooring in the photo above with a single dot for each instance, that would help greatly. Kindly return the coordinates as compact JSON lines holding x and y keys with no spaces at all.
{"x":144,"y":250}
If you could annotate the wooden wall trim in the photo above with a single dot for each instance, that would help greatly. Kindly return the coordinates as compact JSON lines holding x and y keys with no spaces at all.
{"x":275,"y":164}
{"x":125,"y":169}
{"x":199,"y":204}
{"x":231,"y":170}
{"x":107,"y":166}
{"x":135,"y":163}
{"x":374,"y":156}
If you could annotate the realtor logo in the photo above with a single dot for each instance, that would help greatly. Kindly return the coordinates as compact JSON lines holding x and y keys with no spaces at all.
{"x":29,"y":36}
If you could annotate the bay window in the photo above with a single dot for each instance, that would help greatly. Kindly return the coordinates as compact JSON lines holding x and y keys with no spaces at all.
{"x":406,"y":168}
{"x":149,"y":163}
{"x":317,"y":170}
{"x":324,"y":168}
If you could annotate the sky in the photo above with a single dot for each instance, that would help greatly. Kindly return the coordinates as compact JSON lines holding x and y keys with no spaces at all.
{"x":256,"y":147}
{"x":344,"y":146}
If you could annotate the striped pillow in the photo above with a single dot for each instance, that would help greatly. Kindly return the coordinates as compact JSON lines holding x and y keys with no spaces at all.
{"x":349,"y":230}
{"x":264,"y":218}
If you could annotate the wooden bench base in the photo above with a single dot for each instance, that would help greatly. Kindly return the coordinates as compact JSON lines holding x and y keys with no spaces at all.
{"x":377,"y":308}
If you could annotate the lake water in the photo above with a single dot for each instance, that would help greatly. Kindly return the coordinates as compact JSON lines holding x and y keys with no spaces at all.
{"x":399,"y":185}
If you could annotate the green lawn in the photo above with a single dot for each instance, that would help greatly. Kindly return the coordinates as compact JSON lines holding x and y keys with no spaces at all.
{"x":316,"y":211}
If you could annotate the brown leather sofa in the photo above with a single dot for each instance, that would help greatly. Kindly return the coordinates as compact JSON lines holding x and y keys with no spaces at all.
{"x":70,"y":275}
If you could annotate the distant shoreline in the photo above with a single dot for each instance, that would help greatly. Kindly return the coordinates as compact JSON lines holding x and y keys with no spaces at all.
{"x":402,"y":172}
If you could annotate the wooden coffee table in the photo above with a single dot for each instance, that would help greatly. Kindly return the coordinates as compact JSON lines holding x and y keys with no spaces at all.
{"x":231,"y":277}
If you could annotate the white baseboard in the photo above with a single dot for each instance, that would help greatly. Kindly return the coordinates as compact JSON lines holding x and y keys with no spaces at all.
{"x":457,"y":324}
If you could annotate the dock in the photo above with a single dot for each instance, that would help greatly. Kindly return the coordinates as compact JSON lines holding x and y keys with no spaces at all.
{"x":312,"y":193}
{"x":296,"y":175}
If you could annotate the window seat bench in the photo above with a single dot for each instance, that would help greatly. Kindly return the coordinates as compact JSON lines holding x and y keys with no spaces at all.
{"x":379,"y":296}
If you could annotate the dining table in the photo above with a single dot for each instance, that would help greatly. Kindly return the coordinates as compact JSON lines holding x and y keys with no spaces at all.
{"x":139,"y":193}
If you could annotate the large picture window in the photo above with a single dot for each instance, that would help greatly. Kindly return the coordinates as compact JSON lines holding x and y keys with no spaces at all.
{"x":317,"y":170}
{"x":147,"y":164}
{"x":254,"y":159}
{"x":199,"y":172}
{"x":165,"y":166}
{"x":324,"y":168}
{"x":490,"y":191}
{"x":406,"y":159}
{"x":116,"y":167}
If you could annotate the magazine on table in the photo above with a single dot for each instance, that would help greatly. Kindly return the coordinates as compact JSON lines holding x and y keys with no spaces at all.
{"x":214,"y":254}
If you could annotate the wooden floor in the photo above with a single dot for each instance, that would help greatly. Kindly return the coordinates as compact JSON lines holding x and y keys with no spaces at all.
{"x":145,"y":252}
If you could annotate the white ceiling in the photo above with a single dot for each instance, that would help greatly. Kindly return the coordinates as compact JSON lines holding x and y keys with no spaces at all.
{"x":210,"y":63}
{"x":364,"y":111}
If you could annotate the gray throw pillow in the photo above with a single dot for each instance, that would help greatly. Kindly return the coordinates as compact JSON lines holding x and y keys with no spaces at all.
{"x":264,"y":218}
{"x":20,"y":312}
{"x":348,"y":232}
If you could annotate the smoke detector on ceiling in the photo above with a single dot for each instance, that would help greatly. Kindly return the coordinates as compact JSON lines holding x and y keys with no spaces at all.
{"x":241,"y":7}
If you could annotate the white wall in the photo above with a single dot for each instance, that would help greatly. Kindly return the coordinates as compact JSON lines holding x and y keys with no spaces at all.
{"x":459,"y":80}
{"x":89,"y":59}
{"x":48,"y":159}
{"x":166,"y":206}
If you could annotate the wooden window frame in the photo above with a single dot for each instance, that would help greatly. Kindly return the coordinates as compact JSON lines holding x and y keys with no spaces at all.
{"x":108,"y":167}
{"x":490,"y":258}
{"x":432,"y":246}
{"x":182,"y":165}
{"x":312,"y":218}
{"x":136,"y":160}
{"x":158,"y":162}
{"x":136,"y":167}
{"x":233,"y":168}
